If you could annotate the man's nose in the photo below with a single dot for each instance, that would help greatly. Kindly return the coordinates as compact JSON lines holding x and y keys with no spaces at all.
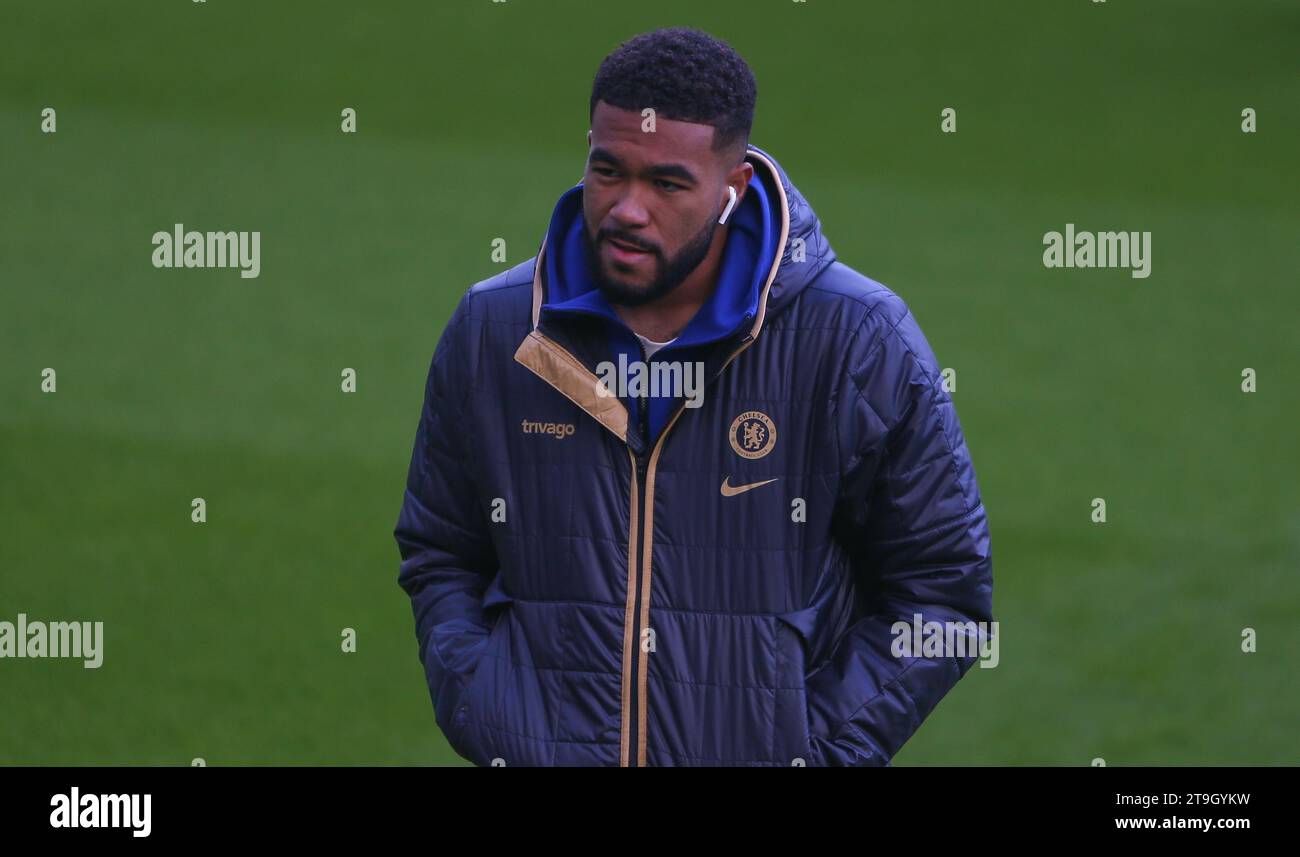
{"x":630,"y":211}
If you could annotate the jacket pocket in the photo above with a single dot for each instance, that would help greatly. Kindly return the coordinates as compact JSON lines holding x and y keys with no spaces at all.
{"x":794,"y":741}
{"x":476,"y":699}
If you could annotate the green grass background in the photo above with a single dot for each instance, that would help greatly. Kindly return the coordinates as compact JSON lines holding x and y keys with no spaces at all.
{"x":1120,"y":641}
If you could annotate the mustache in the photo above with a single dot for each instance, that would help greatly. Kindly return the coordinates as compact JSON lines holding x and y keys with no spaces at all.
{"x":623,"y":238}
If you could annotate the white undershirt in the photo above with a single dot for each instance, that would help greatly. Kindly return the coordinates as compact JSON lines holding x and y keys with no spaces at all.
{"x":651,"y":346}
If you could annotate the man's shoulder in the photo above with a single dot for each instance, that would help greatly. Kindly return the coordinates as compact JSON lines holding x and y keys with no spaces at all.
{"x":511,"y":278}
{"x":878,"y":320}
{"x":503,"y":291}
{"x":501,"y":301}
{"x":855,"y":297}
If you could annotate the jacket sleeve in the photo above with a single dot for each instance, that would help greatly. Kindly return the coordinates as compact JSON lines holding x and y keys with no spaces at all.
{"x":448,"y":558}
{"x":910,"y":516}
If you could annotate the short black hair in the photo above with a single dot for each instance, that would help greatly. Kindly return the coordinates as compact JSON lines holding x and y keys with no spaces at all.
{"x":683,"y":74}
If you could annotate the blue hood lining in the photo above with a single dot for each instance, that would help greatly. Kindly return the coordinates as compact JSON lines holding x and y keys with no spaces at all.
{"x":746,"y":261}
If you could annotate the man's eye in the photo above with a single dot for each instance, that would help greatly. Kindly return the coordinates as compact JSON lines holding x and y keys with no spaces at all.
{"x":668,"y":186}
{"x":603,"y":171}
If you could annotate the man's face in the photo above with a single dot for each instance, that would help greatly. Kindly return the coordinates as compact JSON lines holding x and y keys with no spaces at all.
{"x":651,"y":202}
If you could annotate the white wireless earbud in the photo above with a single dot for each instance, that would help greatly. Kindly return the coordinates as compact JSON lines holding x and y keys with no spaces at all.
{"x":726,"y":212}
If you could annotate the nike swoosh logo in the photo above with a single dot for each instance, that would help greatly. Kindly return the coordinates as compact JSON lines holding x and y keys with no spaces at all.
{"x":728,"y":490}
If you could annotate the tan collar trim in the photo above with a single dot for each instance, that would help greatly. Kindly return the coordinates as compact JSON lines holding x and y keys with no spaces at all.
{"x":780,"y":245}
{"x":553,"y":364}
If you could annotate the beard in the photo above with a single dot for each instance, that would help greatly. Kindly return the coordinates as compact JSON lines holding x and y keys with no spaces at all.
{"x":669,"y":273}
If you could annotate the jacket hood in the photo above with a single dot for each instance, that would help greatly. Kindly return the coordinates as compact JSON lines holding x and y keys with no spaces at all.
{"x":774,"y":249}
{"x":806,"y":252}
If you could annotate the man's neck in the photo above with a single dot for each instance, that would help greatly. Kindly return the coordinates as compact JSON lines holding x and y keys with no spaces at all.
{"x":665,"y":318}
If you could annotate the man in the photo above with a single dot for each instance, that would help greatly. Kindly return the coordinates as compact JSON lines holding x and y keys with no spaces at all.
{"x":611,"y":573}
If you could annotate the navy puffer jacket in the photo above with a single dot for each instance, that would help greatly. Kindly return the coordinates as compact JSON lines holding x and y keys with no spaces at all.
{"x":593,"y":589}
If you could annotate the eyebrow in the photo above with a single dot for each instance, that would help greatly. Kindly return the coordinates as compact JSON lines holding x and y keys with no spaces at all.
{"x":676,"y":171}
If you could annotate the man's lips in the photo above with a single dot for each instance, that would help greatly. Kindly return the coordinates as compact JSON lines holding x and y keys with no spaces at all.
{"x":625,"y":252}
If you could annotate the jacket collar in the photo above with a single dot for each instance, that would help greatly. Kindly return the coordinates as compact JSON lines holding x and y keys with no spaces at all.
{"x":563,"y":357}
{"x":752,"y":236}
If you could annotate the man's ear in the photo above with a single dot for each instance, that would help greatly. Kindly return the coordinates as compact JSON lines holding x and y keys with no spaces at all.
{"x":588,"y":138}
{"x":739,"y":179}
